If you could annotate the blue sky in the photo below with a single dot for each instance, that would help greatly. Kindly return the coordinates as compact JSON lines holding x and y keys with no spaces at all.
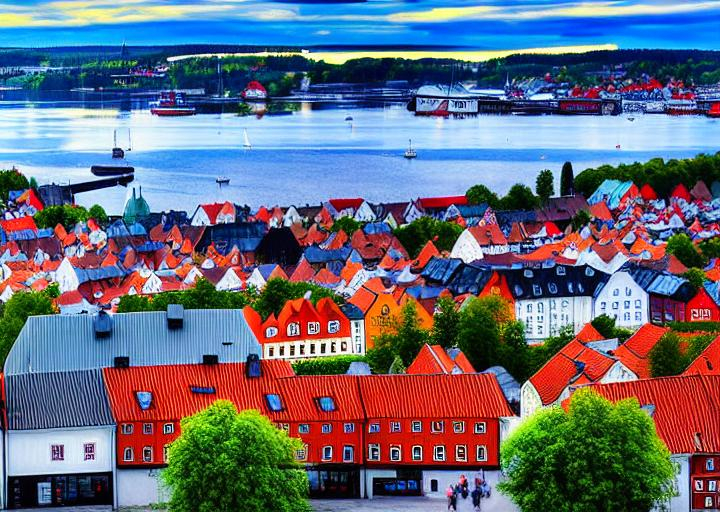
{"x":489,"y":24}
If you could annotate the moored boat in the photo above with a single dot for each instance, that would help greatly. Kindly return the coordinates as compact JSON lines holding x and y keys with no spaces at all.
{"x":172,"y":104}
{"x":410,"y":152}
{"x":254,"y":92}
{"x":714,"y":110}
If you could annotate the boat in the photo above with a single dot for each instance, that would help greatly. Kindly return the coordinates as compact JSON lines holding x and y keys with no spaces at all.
{"x":681,"y":107}
{"x":115,"y":169}
{"x":172,"y":104}
{"x":349,"y":118}
{"x":714,"y":110}
{"x":222,"y":180}
{"x":631,"y":119}
{"x":254,"y":92}
{"x":246,"y":141}
{"x":410,"y":153}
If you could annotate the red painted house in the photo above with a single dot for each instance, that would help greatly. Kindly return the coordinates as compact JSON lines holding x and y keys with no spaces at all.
{"x":702,"y":308}
{"x":434,"y":359}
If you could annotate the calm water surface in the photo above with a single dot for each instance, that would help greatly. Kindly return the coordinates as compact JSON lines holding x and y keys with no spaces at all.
{"x":312,"y":155}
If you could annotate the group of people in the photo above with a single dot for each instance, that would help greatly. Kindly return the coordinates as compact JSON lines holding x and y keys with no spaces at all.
{"x":461,"y":488}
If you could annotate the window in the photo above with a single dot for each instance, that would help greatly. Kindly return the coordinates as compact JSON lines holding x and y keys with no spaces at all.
{"x":312,"y":348}
{"x":284,"y":426}
{"x":333,"y":326}
{"x":57,"y":452}
{"x":626,"y":317}
{"x":480,"y":427}
{"x":301,"y":350}
{"x":437,"y":426}
{"x":326,"y":403}
{"x":626,"y":304}
{"x":628,"y":291}
{"x":323,"y":348}
{"x":460,"y":453}
{"x":537,"y":291}
{"x":128,"y":455}
{"x":292,"y":350}
{"x":616,"y":292}
{"x":541,"y":308}
{"x":638,"y":316}
{"x":564,"y":304}
{"x":326,"y":428}
{"x":615,"y":305}
{"x":552,"y":287}
{"x":458,"y":427}
{"x":481,"y":453}
{"x":417,"y":452}
{"x":394,"y":426}
{"x":89,"y":451}
{"x":301,"y":454}
{"x":434,"y":485}
{"x":202,"y":390}
{"x":416,"y":426}
{"x":147,"y":454}
{"x":374,"y":428}
{"x":303,"y":428}
{"x":349,"y":428}
{"x":166,"y":452}
{"x":126,"y":429}
{"x":293,"y":329}
{"x":281,"y":351}
{"x":395,"y":454}
{"x":327,"y":453}
{"x":313,"y":327}
{"x":528,"y":308}
{"x":374,"y":452}
{"x":439,"y":453}
{"x":638,"y":303}
{"x":560,"y":271}
{"x":271,"y":351}
{"x":168,"y":428}
{"x":271,"y":332}
{"x":603,"y":306}
{"x":348,"y":453}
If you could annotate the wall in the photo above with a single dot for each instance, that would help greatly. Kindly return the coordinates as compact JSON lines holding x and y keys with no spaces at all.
{"x":140,"y":487}
{"x":497,"y":502}
{"x":633,"y":314}
{"x":29,"y":451}
{"x":546,"y":316}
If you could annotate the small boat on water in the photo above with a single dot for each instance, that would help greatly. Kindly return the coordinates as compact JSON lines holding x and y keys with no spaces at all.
{"x":246,"y":139}
{"x":714,"y":110}
{"x":119,"y":167}
{"x":410,"y":153}
{"x":172,"y":104}
{"x":254,"y":92}
{"x":222,"y":180}
{"x":349,"y":118}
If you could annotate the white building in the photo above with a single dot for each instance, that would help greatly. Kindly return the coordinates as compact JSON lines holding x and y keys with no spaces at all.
{"x":623,"y":299}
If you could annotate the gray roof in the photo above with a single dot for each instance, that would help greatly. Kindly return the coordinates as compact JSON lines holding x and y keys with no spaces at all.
{"x":57,"y":400}
{"x":68,"y":342}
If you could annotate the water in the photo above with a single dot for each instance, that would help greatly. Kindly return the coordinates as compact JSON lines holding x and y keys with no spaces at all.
{"x":312,"y":155}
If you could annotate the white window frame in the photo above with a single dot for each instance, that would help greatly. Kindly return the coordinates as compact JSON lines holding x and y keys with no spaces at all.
{"x":128,"y":455}
{"x":304,"y":428}
{"x":126,"y":429}
{"x":168,"y":428}
{"x":326,"y":428}
{"x":327,"y":453}
{"x":374,"y":428}
{"x":481,"y":448}
{"x":60,"y":449}
{"x":434,"y":427}
{"x":416,"y":427}
{"x":458,"y":427}
{"x":351,"y":449}
{"x":349,"y":428}
{"x":166,"y":453}
{"x":145,"y":457}
{"x":439,"y":453}
{"x":458,"y":449}
{"x":395,"y":453}
{"x":301,"y":454}
{"x":147,"y":429}
{"x":395,"y":426}
{"x":373,"y":447}
{"x":480,"y":427}
{"x":91,"y":454}
{"x":415,"y":448}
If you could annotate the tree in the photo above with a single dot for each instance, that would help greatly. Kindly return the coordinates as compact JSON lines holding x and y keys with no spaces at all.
{"x":16,"y":311}
{"x":710,"y":248}
{"x":683,"y":249}
{"x":666,"y":358}
{"x":580,"y":220}
{"x":696,"y":277}
{"x":513,"y":352}
{"x":410,"y":336}
{"x":544,"y":185}
{"x":595,"y":456}
{"x":519,"y":197}
{"x":415,"y":235}
{"x":479,"y":334}
{"x":479,"y":194}
{"x":226,"y":461}
{"x":567,"y":180}
{"x":277,"y":292}
{"x":97,"y":212}
{"x":11,"y":180}
{"x":445,"y":323}
{"x":65,"y":215}
{"x":605,"y":325}
{"x":347,"y":224}
{"x":33,"y":184}
{"x":397,"y":367}
{"x":333,"y":365}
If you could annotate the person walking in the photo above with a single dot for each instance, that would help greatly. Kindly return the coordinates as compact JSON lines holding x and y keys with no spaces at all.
{"x":451,"y":498}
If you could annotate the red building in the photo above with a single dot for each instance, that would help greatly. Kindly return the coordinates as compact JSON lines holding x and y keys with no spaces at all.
{"x":702,"y":308}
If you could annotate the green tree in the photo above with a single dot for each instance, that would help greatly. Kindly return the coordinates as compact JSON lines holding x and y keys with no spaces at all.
{"x":567,"y":180}
{"x":696,"y":277}
{"x":278,"y":291}
{"x":16,"y":311}
{"x":397,"y":367}
{"x":696,"y":346}
{"x":11,"y":180}
{"x":710,"y":248}
{"x":519,"y":197}
{"x":445,"y":323}
{"x":33,"y":184}
{"x":605,"y":325}
{"x":666,"y":358}
{"x":381,"y":356}
{"x":544,"y":185}
{"x":580,"y":220}
{"x":97,"y":212}
{"x":347,"y":224}
{"x":683,"y":249}
{"x":480,"y":330}
{"x":227,"y":461}
{"x":415,"y":235}
{"x":65,"y":215}
{"x":479,"y":194}
{"x":595,"y":456}
{"x":333,"y":365}
{"x":410,"y":336}
{"x":514,"y":352}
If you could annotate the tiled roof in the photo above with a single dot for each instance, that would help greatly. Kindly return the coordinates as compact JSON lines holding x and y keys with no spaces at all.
{"x":708,"y":362}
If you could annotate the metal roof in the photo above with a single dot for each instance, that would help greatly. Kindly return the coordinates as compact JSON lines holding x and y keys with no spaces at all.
{"x":57,"y":400}
{"x":64,"y":343}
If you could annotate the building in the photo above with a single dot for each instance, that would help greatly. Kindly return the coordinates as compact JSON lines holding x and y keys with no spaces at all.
{"x":703,"y":306}
{"x":548,"y":299}
{"x":623,"y":299}
{"x":686,"y":411}
{"x":477,"y":241}
{"x":59,"y":440}
{"x":304,"y":331}
{"x":433,"y":359}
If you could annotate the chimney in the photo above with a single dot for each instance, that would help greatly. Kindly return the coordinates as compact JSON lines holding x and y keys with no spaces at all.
{"x":210,"y":359}
{"x":121,"y":362}
{"x":175,"y":316}
{"x":252,"y":367}
{"x":102,"y":324}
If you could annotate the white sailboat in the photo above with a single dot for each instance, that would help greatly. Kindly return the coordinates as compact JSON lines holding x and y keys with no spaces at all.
{"x":410,"y":153}
{"x":246,"y":141}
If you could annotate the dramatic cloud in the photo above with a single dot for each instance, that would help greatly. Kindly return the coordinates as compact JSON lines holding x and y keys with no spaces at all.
{"x":479,"y":24}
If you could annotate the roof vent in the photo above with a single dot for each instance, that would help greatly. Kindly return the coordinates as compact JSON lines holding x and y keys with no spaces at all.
{"x":252,"y":367}
{"x":121,"y":362}
{"x":103,"y":324}
{"x":210,"y":359}
{"x":175,"y":315}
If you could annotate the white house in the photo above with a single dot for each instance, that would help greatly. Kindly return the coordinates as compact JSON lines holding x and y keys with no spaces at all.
{"x":475,"y":242}
{"x":66,"y":277}
{"x":623,"y":299}
{"x":60,"y":440}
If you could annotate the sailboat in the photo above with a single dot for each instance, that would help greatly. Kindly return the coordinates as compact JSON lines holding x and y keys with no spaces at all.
{"x":410,"y":153}
{"x":246,"y":141}
{"x":119,"y":166}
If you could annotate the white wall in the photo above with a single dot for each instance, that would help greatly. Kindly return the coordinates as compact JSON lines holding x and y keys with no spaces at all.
{"x":548,"y":315}
{"x":466,"y":248}
{"x":618,"y":299}
{"x":681,"y":502}
{"x":140,"y":487}
{"x":29,"y":451}
{"x":497,"y":502}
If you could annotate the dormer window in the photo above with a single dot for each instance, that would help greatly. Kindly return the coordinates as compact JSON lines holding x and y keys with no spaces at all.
{"x":537,"y":291}
{"x":333,"y":326}
{"x":560,"y":271}
{"x":528,"y":273}
{"x":552,"y":287}
{"x":271,"y":332}
{"x":293,"y":329}
{"x":325,"y":403}
{"x":144,"y":399}
{"x":274,"y":402}
{"x":313,"y":328}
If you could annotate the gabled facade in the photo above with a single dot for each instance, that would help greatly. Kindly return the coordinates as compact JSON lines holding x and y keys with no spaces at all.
{"x":475,"y":242}
{"x":624,"y":300}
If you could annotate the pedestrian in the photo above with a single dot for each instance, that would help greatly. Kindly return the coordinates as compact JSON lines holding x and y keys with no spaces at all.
{"x":476,"y":495}
{"x":450,"y":493}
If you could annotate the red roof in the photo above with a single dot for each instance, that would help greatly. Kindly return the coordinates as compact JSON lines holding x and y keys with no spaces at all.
{"x":441,"y":202}
{"x":589,"y":333}
{"x":648,"y":193}
{"x":490,"y":234}
{"x":687,"y":412}
{"x":433,"y":396}
{"x":344,"y":204}
{"x":634,"y":352}
{"x":212,"y":211}
{"x":708,"y":362}
{"x":19,"y":224}
{"x":680,"y":192}
{"x":434,"y":359}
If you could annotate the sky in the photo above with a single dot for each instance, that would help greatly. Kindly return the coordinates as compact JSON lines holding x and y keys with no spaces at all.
{"x":476,"y":24}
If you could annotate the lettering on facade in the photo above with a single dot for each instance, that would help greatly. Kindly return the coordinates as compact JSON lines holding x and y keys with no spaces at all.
{"x":699,"y":315}
{"x":383,"y":319}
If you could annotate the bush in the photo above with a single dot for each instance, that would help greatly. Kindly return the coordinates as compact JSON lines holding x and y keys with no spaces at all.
{"x":334,"y":365}
{"x":415,"y":235}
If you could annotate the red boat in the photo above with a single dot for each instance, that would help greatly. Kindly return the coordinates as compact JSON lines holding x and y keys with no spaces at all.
{"x":714,"y":110}
{"x":172,"y":104}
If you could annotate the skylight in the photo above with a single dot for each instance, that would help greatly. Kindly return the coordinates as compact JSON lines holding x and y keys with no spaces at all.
{"x":326,"y":403}
{"x":144,"y":399}
{"x":274,"y":402}
{"x":203,"y":390}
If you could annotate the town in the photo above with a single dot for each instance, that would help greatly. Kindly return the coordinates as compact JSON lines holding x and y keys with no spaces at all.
{"x":402,"y":343}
